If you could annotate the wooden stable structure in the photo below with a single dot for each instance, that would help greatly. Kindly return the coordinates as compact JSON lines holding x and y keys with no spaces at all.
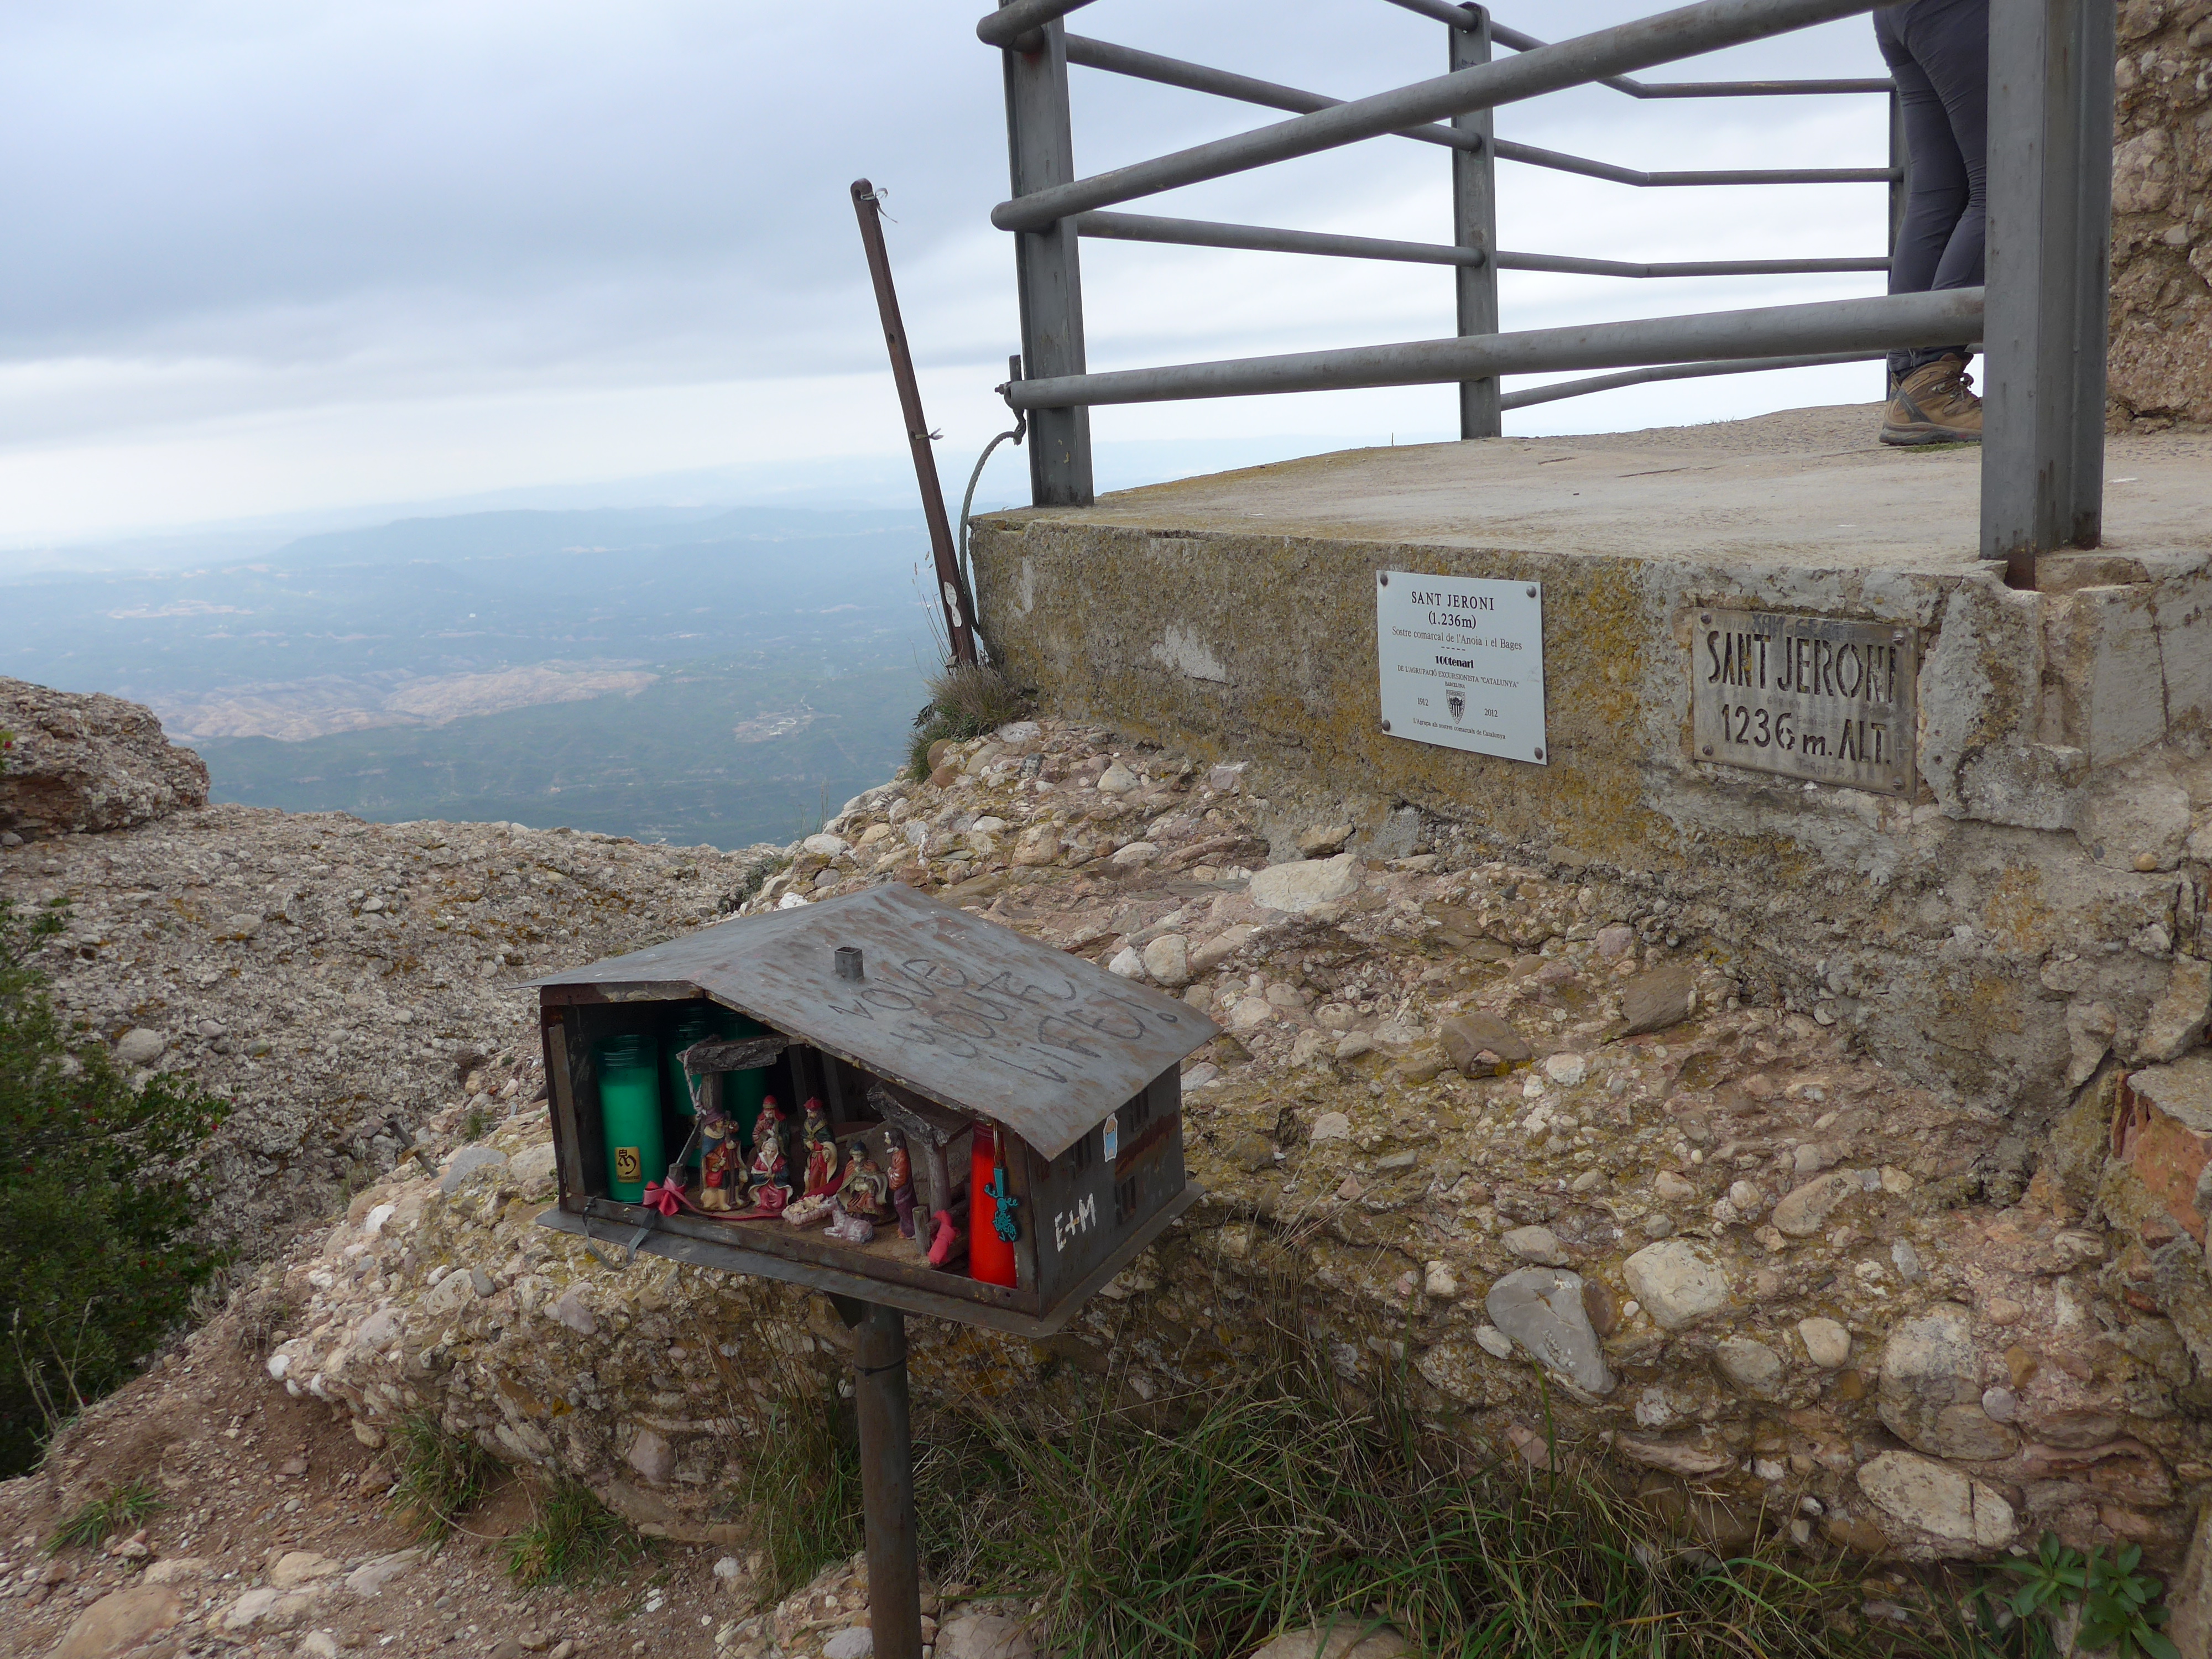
{"x":942,"y":1021}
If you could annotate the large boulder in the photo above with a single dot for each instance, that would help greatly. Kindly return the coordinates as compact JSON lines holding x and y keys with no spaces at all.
{"x":89,"y":762}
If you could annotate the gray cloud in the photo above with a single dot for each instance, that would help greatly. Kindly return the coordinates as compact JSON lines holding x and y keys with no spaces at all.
{"x":232,"y":213}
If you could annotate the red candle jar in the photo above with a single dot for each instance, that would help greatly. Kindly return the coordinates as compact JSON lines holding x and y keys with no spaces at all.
{"x":990,"y":1258}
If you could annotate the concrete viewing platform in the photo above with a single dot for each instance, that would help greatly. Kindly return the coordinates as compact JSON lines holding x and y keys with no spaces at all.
{"x":2045,"y":775}
{"x":1811,"y":487}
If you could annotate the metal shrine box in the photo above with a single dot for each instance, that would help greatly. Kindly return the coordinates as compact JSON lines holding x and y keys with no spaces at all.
{"x":894,"y":1010}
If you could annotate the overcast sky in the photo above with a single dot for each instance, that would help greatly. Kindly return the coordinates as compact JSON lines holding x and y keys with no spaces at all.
{"x":280,"y":257}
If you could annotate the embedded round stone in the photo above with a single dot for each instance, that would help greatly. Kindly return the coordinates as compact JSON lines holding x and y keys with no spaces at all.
{"x":1751,"y":1365}
{"x":1542,"y":1308}
{"x":1827,"y":1344}
{"x":1537,"y":1244}
{"x":1676,"y":1283}
{"x":1305,"y":883}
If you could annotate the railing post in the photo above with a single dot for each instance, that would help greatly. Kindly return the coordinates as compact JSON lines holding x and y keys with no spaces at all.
{"x":1474,"y":224}
{"x":1900,"y":191}
{"x":2050,"y":277}
{"x":1040,"y":152}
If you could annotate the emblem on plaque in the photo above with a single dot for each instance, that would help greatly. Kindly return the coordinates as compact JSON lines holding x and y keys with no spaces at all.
{"x":1455,"y":699}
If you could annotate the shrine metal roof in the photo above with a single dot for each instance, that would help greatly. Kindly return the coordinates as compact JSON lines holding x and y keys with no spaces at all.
{"x":965,"y":1012}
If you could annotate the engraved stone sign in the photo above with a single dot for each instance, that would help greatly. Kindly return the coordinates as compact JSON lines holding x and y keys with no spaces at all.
{"x":1462,"y":662}
{"x":1807,"y":696}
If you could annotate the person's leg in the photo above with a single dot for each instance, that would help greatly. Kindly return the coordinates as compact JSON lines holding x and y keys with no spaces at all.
{"x":1950,"y":39}
{"x":1942,"y":187}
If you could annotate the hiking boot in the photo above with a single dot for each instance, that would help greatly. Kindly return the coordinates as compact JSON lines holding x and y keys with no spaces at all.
{"x":1934,"y":405}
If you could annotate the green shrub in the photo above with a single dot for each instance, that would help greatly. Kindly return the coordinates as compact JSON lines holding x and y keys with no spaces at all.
{"x":572,"y":1539}
{"x":97,"y":1260}
{"x":966,"y":700}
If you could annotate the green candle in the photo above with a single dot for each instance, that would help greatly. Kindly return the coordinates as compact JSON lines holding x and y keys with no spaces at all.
{"x":630,"y":1115}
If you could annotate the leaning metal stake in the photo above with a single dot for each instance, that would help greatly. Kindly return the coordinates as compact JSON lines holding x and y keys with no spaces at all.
{"x":959,"y":608}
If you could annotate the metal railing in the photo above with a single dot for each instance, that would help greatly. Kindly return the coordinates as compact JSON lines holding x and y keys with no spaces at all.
{"x":2042,"y":316}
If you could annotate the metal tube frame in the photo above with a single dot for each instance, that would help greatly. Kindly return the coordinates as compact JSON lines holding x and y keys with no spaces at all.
{"x":1824,"y":326}
{"x":1558,"y":389}
{"x":1269,"y":239}
{"x":2049,"y":256}
{"x":1561,"y":162}
{"x":1573,"y":266}
{"x":1704,"y":26}
{"x":2050,"y":276}
{"x":1019,"y":23}
{"x":1521,"y":42}
{"x":1048,"y":269}
{"x":1115,"y":59}
{"x":1475,"y":224}
{"x":1266,"y":238}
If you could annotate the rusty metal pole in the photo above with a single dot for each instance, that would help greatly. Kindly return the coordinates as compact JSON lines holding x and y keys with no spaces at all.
{"x":959,"y":621}
{"x":887,"y":1482}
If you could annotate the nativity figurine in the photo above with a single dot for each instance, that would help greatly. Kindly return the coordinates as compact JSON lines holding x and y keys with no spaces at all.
{"x":721,"y":1165}
{"x":821,"y":1152}
{"x":770,"y":1169}
{"x":900,"y":1176}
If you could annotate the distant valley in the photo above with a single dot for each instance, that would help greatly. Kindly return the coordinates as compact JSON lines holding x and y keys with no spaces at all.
{"x":671,"y":674}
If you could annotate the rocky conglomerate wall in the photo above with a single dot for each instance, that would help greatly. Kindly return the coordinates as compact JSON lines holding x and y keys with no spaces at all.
{"x":350,"y":987}
{"x":1523,"y":1127}
{"x":2161,"y":342}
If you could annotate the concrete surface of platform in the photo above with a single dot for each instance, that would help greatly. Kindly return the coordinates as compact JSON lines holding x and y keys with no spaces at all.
{"x":1811,"y":486}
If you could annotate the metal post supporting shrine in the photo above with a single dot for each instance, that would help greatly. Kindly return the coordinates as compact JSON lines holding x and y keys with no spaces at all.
{"x":880,"y":1401}
{"x":1041,"y":153}
{"x":2050,"y":277}
{"x":1474,"y":224}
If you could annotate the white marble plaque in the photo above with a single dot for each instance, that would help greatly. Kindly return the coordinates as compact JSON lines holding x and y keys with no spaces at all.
{"x":1463,"y":661}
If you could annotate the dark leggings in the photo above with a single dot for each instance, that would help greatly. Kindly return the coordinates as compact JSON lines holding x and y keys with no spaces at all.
{"x":1938,"y":51}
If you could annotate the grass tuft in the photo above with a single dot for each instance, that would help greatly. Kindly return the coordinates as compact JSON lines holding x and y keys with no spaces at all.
{"x":441,"y":1476}
{"x":101,"y":1518}
{"x":966,"y":700}
{"x":1203,"y":1527}
{"x":801,"y":1491}
{"x":572,"y":1539}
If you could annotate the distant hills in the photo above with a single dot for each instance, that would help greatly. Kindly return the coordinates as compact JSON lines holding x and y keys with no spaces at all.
{"x":689,"y":674}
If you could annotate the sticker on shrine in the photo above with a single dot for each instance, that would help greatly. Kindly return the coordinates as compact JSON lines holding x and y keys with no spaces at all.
{"x":1462,"y":662}
{"x":1112,"y":1137}
{"x":1815,"y":697}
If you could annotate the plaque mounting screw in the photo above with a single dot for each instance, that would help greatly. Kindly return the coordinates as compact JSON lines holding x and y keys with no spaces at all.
{"x":1706,"y":619}
{"x":1709,"y":749}
{"x":1385,"y":726}
{"x":1532,"y":594}
{"x":1383,"y":578}
{"x":1539,"y":753}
